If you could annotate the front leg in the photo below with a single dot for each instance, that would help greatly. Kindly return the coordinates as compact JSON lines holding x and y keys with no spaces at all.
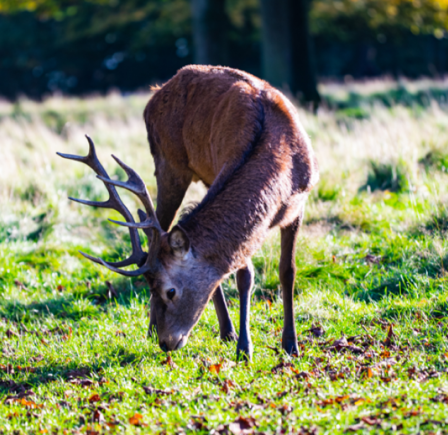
{"x":287,"y":278}
{"x":226,"y":329}
{"x":245,"y":282}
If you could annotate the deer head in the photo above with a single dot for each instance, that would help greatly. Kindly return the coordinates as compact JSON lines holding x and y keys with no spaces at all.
{"x":181,"y":283}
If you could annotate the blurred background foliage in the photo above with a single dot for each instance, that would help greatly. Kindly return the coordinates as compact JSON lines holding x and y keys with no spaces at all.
{"x":82,"y":46}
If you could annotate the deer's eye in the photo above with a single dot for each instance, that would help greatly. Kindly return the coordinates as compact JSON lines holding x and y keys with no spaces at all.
{"x":171,"y":293}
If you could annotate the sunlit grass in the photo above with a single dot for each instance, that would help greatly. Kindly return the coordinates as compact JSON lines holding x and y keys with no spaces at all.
{"x":372,"y":253}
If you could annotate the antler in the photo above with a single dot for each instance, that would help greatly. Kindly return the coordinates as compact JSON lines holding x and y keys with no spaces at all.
{"x":148,"y":220}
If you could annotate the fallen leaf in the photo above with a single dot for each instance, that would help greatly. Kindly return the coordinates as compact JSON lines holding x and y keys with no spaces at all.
{"x":242,"y":425}
{"x":276,"y":350}
{"x":136,"y":420}
{"x":60,"y":288}
{"x":11,"y":334}
{"x":227,"y":385}
{"x":373,"y":259}
{"x":317,"y":331}
{"x":281,"y":366}
{"x":169,"y":361}
{"x":215,"y":368}
{"x":198,"y":422}
{"x":371,"y":421}
{"x":390,"y":336}
{"x":150,"y":390}
{"x":355,"y":427}
{"x":97,"y":416}
{"x":94,"y":398}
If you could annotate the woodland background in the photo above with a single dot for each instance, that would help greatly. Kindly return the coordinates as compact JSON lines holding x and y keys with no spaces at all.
{"x":78,"y":47}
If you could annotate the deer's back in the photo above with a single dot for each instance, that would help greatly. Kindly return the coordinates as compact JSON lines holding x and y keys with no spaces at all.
{"x":208,"y":118}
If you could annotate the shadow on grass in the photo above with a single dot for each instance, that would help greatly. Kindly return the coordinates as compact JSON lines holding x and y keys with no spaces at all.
{"x":90,"y":303}
{"x":82,"y":375}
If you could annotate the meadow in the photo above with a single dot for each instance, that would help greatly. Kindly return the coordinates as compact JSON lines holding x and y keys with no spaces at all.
{"x":371,"y":301}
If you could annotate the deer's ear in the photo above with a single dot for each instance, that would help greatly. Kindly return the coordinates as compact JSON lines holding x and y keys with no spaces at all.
{"x":179,"y":242}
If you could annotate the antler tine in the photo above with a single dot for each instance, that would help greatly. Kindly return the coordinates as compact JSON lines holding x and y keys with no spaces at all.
{"x":114,"y":202}
{"x":140,"y":271}
{"x":148,"y":266}
{"x":137,"y":186}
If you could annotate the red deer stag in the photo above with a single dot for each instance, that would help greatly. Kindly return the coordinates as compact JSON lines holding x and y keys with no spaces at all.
{"x":243,"y":139}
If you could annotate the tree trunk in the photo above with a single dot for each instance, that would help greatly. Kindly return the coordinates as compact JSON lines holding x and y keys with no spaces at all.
{"x":303,"y":69}
{"x":287,"y":51}
{"x":209,"y":32}
{"x":275,"y":44}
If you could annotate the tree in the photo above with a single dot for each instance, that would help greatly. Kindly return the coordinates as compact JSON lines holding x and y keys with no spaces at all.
{"x":287,"y":54}
{"x":209,"y":31}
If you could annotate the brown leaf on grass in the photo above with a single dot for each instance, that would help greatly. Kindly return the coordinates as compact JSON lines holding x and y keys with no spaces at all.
{"x":372,"y":259}
{"x":440,"y":398}
{"x":390,"y":339}
{"x":136,"y":420}
{"x":268,"y":302}
{"x":120,"y":334}
{"x":281,"y":366}
{"x":169,"y":361}
{"x":94,"y":398}
{"x":227,"y":386}
{"x":29,"y":404}
{"x":275,"y":349}
{"x":242,"y":425}
{"x":371,"y":421}
{"x":316,"y":330}
{"x":423,"y":374}
{"x":97,"y":416}
{"x":60,"y":288}
{"x":79,"y":377}
{"x":69,"y":334}
{"x":20,"y":285}
{"x":332,"y":401}
{"x":356,"y":427}
{"x":8,"y":369}
{"x":342,"y":345}
{"x":19,"y":389}
{"x":150,"y":390}
{"x":303,"y":375}
{"x":413,"y":412}
{"x":285,"y":409}
{"x":215,"y":368}
{"x":198,"y":422}
{"x":11,"y":334}
{"x":308,"y":430}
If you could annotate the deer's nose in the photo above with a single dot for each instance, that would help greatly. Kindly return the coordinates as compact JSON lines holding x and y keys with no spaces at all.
{"x":163,"y":346}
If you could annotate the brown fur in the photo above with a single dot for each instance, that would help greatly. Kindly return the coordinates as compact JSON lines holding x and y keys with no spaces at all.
{"x":243,"y":139}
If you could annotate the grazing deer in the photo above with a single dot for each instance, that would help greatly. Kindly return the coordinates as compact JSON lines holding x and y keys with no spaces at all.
{"x":243,"y":139}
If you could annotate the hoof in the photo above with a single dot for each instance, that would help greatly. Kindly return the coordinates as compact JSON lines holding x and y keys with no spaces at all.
{"x":244,"y":351}
{"x":290,"y":346}
{"x":229,"y":336}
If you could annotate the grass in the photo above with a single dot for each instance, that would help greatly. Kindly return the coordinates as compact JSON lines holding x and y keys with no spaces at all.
{"x":371,"y":302}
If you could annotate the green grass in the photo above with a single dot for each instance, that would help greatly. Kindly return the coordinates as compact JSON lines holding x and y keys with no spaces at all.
{"x":371,"y":301}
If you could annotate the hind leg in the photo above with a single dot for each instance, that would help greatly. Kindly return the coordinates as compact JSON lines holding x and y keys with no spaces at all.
{"x":226,"y":329}
{"x":287,"y":277}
